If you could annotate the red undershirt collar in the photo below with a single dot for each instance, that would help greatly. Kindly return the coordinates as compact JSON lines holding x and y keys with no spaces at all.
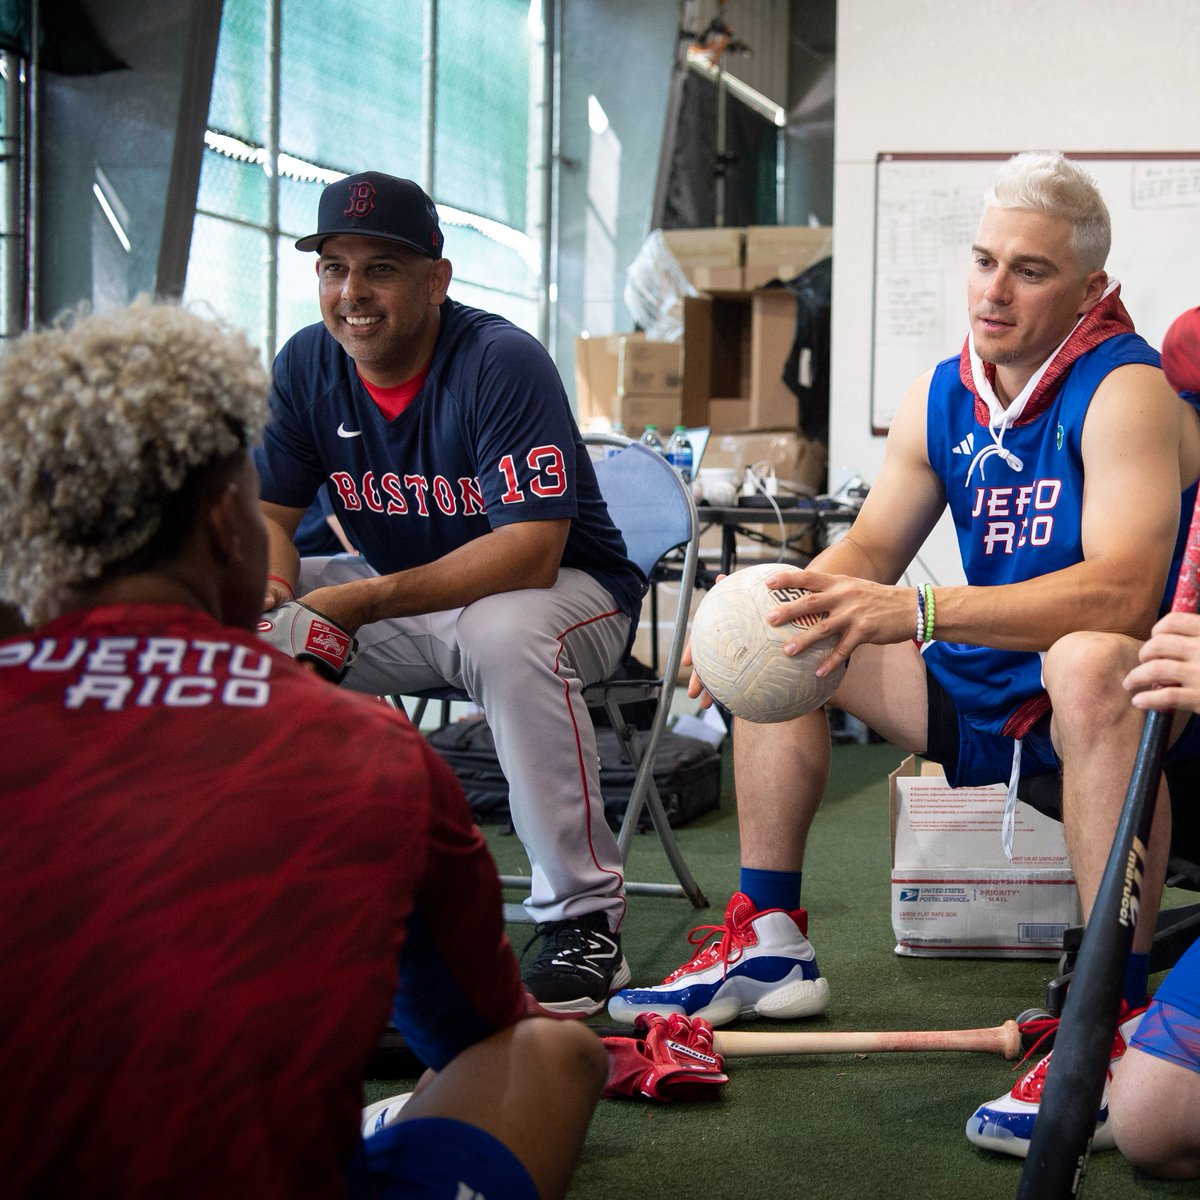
{"x":392,"y":401}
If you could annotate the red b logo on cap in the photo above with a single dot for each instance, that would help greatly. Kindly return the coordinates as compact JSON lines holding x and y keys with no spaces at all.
{"x":362,"y":199}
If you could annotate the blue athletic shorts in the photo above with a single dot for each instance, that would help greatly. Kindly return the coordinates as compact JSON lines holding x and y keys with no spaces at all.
{"x":970,"y":756}
{"x":436,"y":1158}
{"x":1171,"y":1027}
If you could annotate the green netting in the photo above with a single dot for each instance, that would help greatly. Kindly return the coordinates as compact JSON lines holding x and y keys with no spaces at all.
{"x":231,"y":188}
{"x":351,"y":99}
{"x":484,"y":260}
{"x":482,"y":143}
{"x":298,"y":200}
{"x":351,"y":84}
{"x":222,"y":274}
{"x":297,"y":302}
{"x":238,"y":105}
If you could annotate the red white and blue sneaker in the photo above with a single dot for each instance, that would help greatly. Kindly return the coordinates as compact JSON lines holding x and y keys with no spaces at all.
{"x":762,"y":964}
{"x":1006,"y":1124}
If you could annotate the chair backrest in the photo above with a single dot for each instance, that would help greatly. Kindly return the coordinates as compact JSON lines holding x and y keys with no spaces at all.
{"x":647,"y":500}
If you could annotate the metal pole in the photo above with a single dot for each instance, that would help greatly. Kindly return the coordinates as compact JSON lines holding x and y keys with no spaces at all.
{"x":271,"y":166}
{"x":720,"y":161}
{"x":429,"y":92}
{"x":33,"y":108}
{"x":15,"y":265}
{"x":543,"y":169}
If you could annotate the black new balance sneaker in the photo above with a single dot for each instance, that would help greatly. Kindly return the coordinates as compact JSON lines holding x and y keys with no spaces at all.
{"x":579,"y":964}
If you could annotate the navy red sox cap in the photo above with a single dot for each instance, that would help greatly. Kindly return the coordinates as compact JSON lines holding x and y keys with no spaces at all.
{"x":372,"y":204}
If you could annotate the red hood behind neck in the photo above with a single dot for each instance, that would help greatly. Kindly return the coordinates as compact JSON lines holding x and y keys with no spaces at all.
{"x":1106,"y":320}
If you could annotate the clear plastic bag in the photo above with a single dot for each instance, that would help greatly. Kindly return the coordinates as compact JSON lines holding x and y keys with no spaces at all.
{"x":655,"y":286}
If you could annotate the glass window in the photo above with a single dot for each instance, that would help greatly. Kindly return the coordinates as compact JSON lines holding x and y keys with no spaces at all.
{"x":352,"y":98}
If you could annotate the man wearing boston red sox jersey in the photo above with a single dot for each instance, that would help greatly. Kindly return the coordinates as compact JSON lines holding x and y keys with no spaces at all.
{"x":447,"y":448}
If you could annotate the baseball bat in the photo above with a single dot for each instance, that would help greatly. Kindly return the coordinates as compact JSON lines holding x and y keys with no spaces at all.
{"x":1003,"y":1039}
{"x":1062,"y":1133}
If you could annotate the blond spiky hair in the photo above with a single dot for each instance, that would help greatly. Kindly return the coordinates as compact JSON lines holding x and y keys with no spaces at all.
{"x":102,"y":419}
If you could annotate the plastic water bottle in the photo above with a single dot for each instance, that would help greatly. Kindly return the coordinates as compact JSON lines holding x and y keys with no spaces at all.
{"x":679,"y":453}
{"x":650,"y":438}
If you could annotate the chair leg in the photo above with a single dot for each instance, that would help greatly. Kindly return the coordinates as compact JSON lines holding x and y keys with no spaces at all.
{"x":687,"y":886}
{"x":644,"y":794}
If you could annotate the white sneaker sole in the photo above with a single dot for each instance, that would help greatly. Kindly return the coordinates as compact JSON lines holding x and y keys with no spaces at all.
{"x":776,"y":1002}
{"x":988,"y":1135}
{"x":382,"y":1113}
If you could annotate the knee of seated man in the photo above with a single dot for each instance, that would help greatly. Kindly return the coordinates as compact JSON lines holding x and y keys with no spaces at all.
{"x":489,"y":638}
{"x":1083,"y":672}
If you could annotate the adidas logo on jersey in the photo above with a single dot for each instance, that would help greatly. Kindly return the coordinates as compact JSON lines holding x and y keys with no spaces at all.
{"x":966,"y":446}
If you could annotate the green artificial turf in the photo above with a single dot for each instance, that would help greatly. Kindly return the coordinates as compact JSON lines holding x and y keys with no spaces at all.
{"x":818,"y":1126}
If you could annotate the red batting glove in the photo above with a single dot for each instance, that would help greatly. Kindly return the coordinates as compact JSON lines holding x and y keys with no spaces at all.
{"x":675,"y":1061}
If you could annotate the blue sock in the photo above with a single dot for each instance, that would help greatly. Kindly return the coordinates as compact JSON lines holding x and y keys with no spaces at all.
{"x":771,"y":889}
{"x":1137,"y":980}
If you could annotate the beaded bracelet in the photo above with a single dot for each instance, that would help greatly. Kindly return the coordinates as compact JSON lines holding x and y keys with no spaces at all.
{"x":920,"y":615}
{"x":929,"y":611}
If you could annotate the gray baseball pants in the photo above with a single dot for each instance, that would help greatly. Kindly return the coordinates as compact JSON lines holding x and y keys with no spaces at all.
{"x":524,"y":657}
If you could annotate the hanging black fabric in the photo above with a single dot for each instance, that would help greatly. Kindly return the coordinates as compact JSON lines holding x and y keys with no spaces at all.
{"x":806,"y":371}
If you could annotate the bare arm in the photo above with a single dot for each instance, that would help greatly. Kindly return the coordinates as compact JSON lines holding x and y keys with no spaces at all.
{"x":1131,"y":451}
{"x":1131,"y":444}
{"x":852,"y":579}
{"x":523,"y":555}
{"x":283,"y":559}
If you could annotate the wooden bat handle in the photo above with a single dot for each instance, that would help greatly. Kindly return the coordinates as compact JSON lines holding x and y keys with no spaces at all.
{"x":1003,"y":1039}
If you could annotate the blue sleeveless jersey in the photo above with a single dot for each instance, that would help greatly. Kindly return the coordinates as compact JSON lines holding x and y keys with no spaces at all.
{"x":488,"y":441}
{"x":1015,"y":525}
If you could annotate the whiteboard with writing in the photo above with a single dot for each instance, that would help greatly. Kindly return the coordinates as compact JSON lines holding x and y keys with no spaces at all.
{"x":927,"y":211}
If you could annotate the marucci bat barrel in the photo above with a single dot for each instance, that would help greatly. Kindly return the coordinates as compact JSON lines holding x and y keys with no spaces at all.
{"x":1002,"y":1039}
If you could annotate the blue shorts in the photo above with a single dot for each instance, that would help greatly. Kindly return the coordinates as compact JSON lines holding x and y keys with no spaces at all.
{"x":436,"y":1158}
{"x":972,"y":756}
{"x":1171,"y":1027}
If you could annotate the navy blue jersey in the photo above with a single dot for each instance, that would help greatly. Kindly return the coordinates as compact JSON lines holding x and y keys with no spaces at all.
{"x":488,"y":441}
{"x":1016,"y":524}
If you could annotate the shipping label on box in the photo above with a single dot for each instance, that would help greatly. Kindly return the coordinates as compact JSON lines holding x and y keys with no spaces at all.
{"x":954,"y":893}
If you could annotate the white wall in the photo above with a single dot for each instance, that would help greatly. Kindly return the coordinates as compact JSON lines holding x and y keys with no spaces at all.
{"x":949,"y":75}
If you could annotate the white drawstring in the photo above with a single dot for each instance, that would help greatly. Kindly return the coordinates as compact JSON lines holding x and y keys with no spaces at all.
{"x":1000,"y":418}
{"x":1009,"y":825}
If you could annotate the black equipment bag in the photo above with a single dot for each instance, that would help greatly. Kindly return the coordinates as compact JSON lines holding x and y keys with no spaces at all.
{"x":687,"y":772}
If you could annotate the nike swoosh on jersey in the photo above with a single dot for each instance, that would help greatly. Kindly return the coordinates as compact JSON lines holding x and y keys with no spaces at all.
{"x":348,"y":433}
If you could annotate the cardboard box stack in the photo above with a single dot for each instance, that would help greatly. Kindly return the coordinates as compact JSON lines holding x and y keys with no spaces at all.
{"x":954,"y":894}
{"x":736,"y":339}
{"x":726,"y":373}
{"x":628,"y":379}
{"x":711,"y":258}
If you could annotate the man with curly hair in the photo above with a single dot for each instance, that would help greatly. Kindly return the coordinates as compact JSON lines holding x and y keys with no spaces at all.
{"x":209,"y":911}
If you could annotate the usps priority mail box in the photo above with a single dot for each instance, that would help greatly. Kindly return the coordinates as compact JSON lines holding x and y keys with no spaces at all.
{"x":954,"y":893}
